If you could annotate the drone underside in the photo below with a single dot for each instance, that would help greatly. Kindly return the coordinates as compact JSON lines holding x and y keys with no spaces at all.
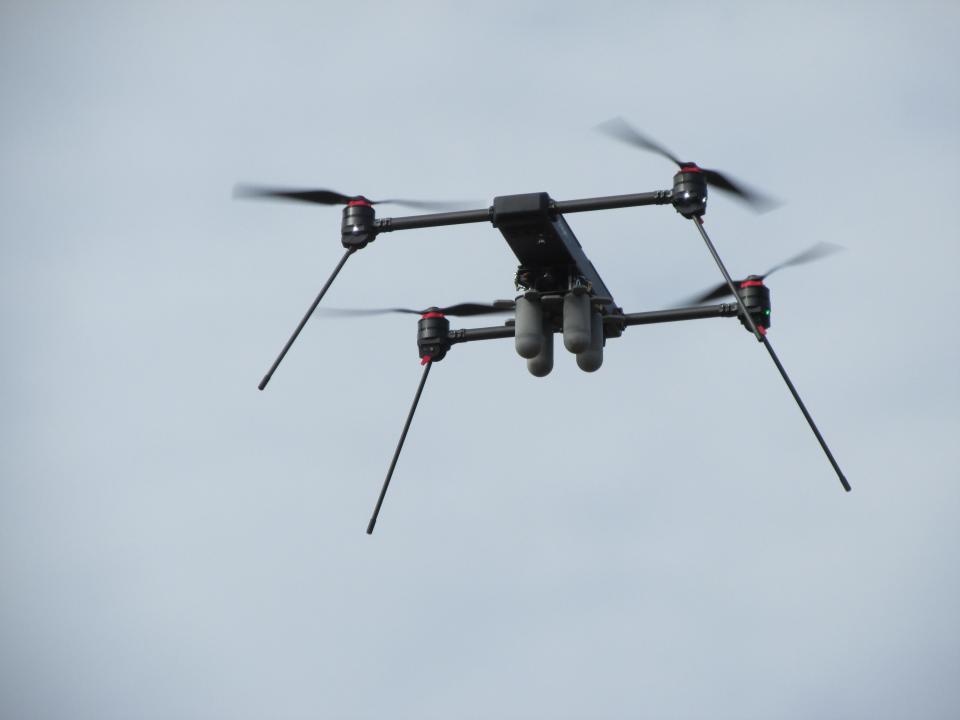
{"x":560,"y":291}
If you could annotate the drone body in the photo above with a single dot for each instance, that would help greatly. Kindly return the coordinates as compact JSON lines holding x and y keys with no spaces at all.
{"x":561,"y":293}
{"x":560,"y":290}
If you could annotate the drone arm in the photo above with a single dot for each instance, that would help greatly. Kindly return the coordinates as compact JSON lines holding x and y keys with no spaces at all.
{"x":488,"y":333}
{"x":658,"y":197}
{"x":643,"y":318}
{"x":661,"y":316}
{"x":462,"y":217}
{"x":412,"y":222}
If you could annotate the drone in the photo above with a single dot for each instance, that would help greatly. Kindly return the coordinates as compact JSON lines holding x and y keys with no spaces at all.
{"x":559,"y":289}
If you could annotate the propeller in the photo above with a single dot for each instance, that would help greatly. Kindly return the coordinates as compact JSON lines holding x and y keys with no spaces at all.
{"x":459,"y":310}
{"x":330,"y":197}
{"x":812,"y":253}
{"x":621,"y":130}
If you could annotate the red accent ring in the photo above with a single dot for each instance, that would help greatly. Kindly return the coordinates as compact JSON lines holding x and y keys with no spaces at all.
{"x":428,"y":315}
{"x":751,"y":283}
{"x":363,"y":202}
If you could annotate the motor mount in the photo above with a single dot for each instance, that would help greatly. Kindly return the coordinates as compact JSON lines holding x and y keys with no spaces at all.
{"x":433,"y":336}
{"x":357,"y":228}
{"x":756,"y":299}
{"x":690,"y":191}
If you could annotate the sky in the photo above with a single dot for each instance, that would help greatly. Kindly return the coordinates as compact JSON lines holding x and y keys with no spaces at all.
{"x":662,"y":538}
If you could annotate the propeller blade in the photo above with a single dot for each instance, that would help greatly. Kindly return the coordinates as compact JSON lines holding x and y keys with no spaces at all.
{"x":317,"y":197}
{"x":759,"y":201}
{"x":714,"y":293}
{"x":468,"y":309}
{"x":623,"y":131}
{"x":439,"y":205}
{"x":459,"y":310}
{"x":364,"y":312}
{"x":620,"y":129}
{"x":811,"y":254}
{"x":331,"y":197}
{"x":815,"y":252}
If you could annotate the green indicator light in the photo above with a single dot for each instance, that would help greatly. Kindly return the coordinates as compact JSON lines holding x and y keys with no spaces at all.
{"x":766,"y":312}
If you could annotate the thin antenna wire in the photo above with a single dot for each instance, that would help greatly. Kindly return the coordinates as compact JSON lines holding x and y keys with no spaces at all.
{"x":396,"y":453}
{"x":766,"y":343}
{"x":323,"y":291}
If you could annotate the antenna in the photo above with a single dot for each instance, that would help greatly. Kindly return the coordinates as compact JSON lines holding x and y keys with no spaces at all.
{"x":761,"y":336}
{"x":428,"y":363}
{"x":313,"y":306}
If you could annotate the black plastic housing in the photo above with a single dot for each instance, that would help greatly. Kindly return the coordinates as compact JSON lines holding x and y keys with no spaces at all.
{"x":433,"y":330}
{"x":525,"y":209}
{"x":551,"y":258}
{"x":357,"y":228}
{"x":690,"y":193}
{"x":756,"y":298}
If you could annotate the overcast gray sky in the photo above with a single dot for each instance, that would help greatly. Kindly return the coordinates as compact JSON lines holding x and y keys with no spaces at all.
{"x":662,"y":538}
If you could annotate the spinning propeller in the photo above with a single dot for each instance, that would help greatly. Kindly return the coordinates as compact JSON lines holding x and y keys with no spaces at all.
{"x":459,"y":310}
{"x":815,"y":252}
{"x":620,"y":129}
{"x":331,"y":197}
{"x":358,"y":216}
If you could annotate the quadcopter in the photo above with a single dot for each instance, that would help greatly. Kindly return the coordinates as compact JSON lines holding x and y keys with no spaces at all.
{"x":559,"y":289}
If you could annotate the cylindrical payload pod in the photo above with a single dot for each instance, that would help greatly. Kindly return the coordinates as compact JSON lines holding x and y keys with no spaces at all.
{"x":592,"y":358}
{"x":576,"y":321}
{"x":542,"y":363}
{"x":529,"y":327}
